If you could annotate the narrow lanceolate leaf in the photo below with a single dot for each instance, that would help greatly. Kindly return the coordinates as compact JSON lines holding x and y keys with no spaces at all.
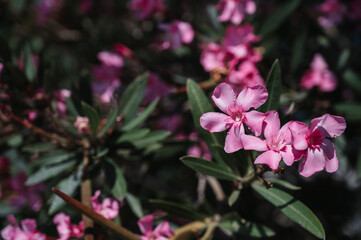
{"x":135,"y":205}
{"x":111,"y":119}
{"x":273,"y":85}
{"x":151,"y":138}
{"x":119,"y":188}
{"x":133,"y":135}
{"x":29,"y":65}
{"x":233,"y":197}
{"x":278,"y":17}
{"x":200,"y":104}
{"x":92,"y":115}
{"x":245,"y":228}
{"x":209,"y":168}
{"x":141,"y":117}
{"x":292,"y":208}
{"x":177,"y":209}
{"x":132,"y":97}
{"x":283,"y":183}
{"x":67,"y":186}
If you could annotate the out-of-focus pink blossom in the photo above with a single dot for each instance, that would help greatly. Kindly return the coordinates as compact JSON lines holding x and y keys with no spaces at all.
{"x":32,"y":114}
{"x":200,"y":150}
{"x":319,"y":151}
{"x":123,"y":50}
{"x":107,"y":75}
{"x":60,"y":96}
{"x":82,"y":124}
{"x":161,"y":232}
{"x":212,"y":57}
{"x":171,"y":123}
{"x":246,"y":75}
{"x":277,"y":143}
{"x":319,"y":75}
{"x":1,"y":68}
{"x":4,"y":165}
{"x":333,"y":12}
{"x":156,"y":88}
{"x":109,"y":208}
{"x":85,"y":6}
{"x":235,"y":10}
{"x":66,"y":229}
{"x":27,"y":231}
{"x":145,"y":8}
{"x":235,"y":109}
{"x":22,"y":194}
{"x":47,"y":9}
{"x":177,"y":33}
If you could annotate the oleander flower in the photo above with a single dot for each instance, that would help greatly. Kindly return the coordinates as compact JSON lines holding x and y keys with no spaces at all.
{"x":212,"y":57}
{"x":235,"y":10}
{"x":82,"y":124}
{"x":235,"y":109}
{"x":332,"y":12}
{"x":108,"y":208}
{"x":319,"y":151}
{"x":177,"y":34}
{"x":145,"y":8}
{"x":66,"y":229}
{"x":319,"y":75}
{"x":27,"y":231}
{"x":161,"y":232}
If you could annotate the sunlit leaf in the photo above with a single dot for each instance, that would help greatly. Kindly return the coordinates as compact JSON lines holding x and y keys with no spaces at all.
{"x":233,"y":197}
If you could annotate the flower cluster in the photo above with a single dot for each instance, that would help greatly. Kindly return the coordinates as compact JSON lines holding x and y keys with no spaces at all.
{"x":161,"y":232}
{"x":26,"y":231}
{"x":291,"y":142}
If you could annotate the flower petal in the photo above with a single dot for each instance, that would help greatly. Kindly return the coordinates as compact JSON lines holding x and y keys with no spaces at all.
{"x":233,"y":141}
{"x":270,"y":158}
{"x":254,"y":120}
{"x":215,"y":122}
{"x":332,"y":163}
{"x":290,"y":155}
{"x":146,"y":224}
{"x":28,"y":225}
{"x":253,"y":143}
{"x":271,"y":125}
{"x":298,"y":133}
{"x":331,"y":126}
{"x":224,"y":97}
{"x":314,"y":162}
{"x":252,"y":97}
{"x":164,"y":229}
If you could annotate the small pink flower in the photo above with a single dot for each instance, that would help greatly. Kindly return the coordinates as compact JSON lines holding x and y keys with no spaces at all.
{"x":145,"y":8}
{"x":235,"y":10}
{"x":319,"y":151}
{"x":213,"y":57}
{"x":27,"y":231}
{"x":319,"y":75}
{"x":277,"y":143}
{"x":32,"y":114}
{"x":66,"y":229}
{"x":60,"y":96}
{"x":155,"y":88}
{"x":109,"y":208}
{"x":161,"y":232}
{"x":236,"y":108}
{"x":332,"y":13}
{"x":177,"y":33}
{"x":46,"y":9}
{"x":82,"y":124}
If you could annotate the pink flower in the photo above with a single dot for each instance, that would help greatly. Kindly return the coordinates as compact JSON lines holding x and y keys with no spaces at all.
{"x":60,"y":96}
{"x":145,"y":8}
{"x":32,"y":114}
{"x":66,"y":229}
{"x":332,"y":13}
{"x":235,"y":10}
{"x":319,"y":75}
{"x":109,"y":208}
{"x":82,"y":124}
{"x":23,"y":194}
{"x":85,"y":6}
{"x":200,"y":149}
{"x":246,"y":75}
{"x":107,"y":75}
{"x":46,"y":9}
{"x":236,"y":108}
{"x":26,"y":232}
{"x":1,"y":67}
{"x":155,"y":88}
{"x":161,"y":232}
{"x":319,"y":151}
{"x":177,"y":33}
{"x":277,"y":143}
{"x":212,"y":57}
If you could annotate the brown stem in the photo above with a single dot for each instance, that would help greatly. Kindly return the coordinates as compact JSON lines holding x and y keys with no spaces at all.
{"x":99,"y":219}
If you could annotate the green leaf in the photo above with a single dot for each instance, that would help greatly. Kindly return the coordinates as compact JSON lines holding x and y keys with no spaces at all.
{"x":47,"y":172}
{"x":298,"y":49}
{"x":237,"y":161}
{"x":283,"y":183}
{"x":29,"y":65}
{"x":233,"y":197}
{"x":246,"y":228}
{"x":205,"y":167}
{"x":92,"y":115}
{"x":177,"y":209}
{"x":292,"y":208}
{"x":111,"y":119}
{"x":133,"y":135}
{"x":141,"y":117}
{"x":67,"y":186}
{"x":353,"y":80}
{"x":54,"y":157}
{"x":358,"y":165}
{"x":132,"y":97}
{"x":273,"y":85}
{"x":70,"y":107}
{"x":351,"y":111}
{"x":344,"y":56}
{"x":135,"y":205}
{"x":278,"y":17}
{"x":119,"y":188}
{"x":199,"y":105}
{"x":151,"y":138}
{"x":6,"y":210}
{"x":37,"y":147}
